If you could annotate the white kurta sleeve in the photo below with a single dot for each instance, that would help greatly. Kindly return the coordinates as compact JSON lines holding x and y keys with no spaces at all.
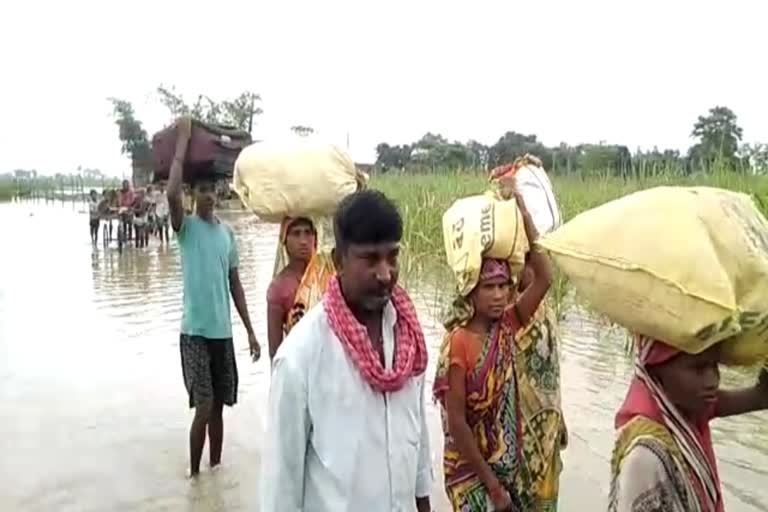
{"x":285,"y":445}
{"x":424,"y":476}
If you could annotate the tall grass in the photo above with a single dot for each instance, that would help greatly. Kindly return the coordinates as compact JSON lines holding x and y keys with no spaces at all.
{"x":7,"y":190}
{"x":422,"y":199}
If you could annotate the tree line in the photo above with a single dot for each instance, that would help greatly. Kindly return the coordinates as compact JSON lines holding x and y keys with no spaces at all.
{"x":238,"y":112}
{"x":718,"y":146}
{"x":717,"y":134}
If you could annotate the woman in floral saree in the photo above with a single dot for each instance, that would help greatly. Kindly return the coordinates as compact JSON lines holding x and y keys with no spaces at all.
{"x":537,"y":365}
{"x":477,"y":385}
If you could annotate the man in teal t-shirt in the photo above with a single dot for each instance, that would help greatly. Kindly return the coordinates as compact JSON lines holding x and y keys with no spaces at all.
{"x":208,"y":253}
{"x":209,"y":263}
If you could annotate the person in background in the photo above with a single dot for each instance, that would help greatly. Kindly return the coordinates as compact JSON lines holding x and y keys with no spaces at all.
{"x":544,"y":433}
{"x":663,"y":458}
{"x":346,"y":428}
{"x":298,"y":240}
{"x":105,"y":211}
{"x":477,"y":388}
{"x":151,"y":198}
{"x":93,"y":215}
{"x":126,"y":199}
{"x":303,"y":268}
{"x":114,"y":199}
{"x":114,"y":208}
{"x":537,"y":369}
{"x":161,"y":213}
{"x":141,"y":208}
{"x":209,"y":262}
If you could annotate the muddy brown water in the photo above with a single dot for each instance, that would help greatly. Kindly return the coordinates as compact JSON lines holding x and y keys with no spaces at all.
{"x":93,"y":413}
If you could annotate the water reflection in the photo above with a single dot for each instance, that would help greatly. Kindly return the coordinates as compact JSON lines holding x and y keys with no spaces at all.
{"x":94,"y":411}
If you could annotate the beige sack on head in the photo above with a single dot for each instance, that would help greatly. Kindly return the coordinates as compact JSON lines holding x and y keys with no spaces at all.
{"x":688,"y":266}
{"x":482,"y":226}
{"x":295,"y":177}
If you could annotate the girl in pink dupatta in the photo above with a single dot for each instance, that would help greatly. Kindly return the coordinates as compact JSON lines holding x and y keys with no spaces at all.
{"x":663,"y":460}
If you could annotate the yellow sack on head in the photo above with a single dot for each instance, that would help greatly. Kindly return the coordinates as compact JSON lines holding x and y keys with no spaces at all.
{"x":294,"y":178}
{"x":482,"y":226}
{"x":688,"y":266}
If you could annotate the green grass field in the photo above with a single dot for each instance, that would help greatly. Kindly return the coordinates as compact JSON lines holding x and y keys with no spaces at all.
{"x":422,"y":199}
{"x":7,"y":190}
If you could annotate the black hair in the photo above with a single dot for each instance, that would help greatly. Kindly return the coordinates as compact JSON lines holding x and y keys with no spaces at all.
{"x":366,"y":217}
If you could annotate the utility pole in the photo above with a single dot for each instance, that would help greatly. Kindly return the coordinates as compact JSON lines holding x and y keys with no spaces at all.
{"x":250,"y":119}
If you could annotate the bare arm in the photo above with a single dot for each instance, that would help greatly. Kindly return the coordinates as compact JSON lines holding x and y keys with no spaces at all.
{"x":455,"y":407}
{"x":174,"y":192}
{"x":530,"y":299}
{"x":238,"y":295}
{"x":741,"y":401}
{"x":275,"y":317}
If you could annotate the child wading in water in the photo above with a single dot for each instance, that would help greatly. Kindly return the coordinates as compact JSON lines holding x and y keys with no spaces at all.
{"x":663,"y":460}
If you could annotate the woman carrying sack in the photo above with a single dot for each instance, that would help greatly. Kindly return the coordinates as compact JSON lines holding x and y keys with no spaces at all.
{"x":303,"y":267}
{"x":544,"y":434}
{"x":663,"y":458}
{"x":477,"y":386}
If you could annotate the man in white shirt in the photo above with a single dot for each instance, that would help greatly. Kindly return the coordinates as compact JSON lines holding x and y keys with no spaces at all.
{"x":347,"y":423}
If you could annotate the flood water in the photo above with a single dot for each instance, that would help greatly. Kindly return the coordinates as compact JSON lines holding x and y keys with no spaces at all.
{"x":93,"y":412}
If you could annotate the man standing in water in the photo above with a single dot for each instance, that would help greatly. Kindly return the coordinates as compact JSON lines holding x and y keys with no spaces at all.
{"x":209,"y":262}
{"x":126,"y":198}
{"x":161,"y":213}
{"x":93,"y":215}
{"x":346,"y":428}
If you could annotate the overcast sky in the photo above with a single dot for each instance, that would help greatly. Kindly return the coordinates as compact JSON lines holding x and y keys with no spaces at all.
{"x":629,"y":72}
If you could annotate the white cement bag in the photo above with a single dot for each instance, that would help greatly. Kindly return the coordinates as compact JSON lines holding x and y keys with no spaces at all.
{"x":534,"y":185}
{"x":527,"y":175}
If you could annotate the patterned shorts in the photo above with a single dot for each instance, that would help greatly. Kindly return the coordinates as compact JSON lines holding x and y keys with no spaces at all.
{"x":209,"y":369}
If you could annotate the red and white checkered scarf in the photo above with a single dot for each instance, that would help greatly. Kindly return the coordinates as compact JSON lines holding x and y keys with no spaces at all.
{"x":410,"y":358}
